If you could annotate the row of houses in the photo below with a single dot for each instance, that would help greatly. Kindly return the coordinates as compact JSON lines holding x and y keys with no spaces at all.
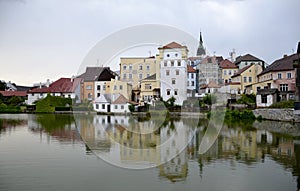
{"x":172,"y":73}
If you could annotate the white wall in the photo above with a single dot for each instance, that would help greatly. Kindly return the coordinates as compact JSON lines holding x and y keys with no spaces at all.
{"x":119,"y":108}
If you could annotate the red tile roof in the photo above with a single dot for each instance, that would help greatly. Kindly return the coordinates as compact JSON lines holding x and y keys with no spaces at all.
{"x":190,"y":69}
{"x":211,"y":84}
{"x":173,"y":45}
{"x":122,"y":100}
{"x":282,"y":64}
{"x":227,"y":64}
{"x":63,"y":85}
{"x":241,"y":71}
{"x":13,"y":93}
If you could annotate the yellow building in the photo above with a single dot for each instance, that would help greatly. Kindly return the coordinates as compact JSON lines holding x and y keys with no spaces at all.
{"x":246,"y":77}
{"x":150,"y":88}
{"x":124,"y":88}
{"x":134,"y":69}
{"x":228,"y":70}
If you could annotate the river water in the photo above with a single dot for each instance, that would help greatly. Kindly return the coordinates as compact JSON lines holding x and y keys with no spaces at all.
{"x":94,"y":152}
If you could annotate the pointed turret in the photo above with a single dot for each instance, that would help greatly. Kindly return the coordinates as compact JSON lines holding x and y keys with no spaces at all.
{"x":201,"y":49}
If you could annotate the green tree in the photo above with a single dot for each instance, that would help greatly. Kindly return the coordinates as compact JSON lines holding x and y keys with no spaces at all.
{"x":2,"y":86}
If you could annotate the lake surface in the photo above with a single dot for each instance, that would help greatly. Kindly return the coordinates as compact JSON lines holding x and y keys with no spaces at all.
{"x":93,"y":152}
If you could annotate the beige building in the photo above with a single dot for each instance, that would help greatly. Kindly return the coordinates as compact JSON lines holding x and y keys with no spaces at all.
{"x":246,"y":77}
{"x":134,"y":69}
{"x":150,"y":88}
{"x":228,"y":69}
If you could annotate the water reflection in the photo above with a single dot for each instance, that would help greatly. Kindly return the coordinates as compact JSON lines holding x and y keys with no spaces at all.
{"x":171,"y":145}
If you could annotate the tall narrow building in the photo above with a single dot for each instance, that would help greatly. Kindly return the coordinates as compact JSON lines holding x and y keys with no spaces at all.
{"x":201,"y":50}
{"x":173,"y":72}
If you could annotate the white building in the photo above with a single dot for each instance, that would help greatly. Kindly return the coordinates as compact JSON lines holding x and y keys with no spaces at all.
{"x":192,"y":81}
{"x":173,"y":72}
{"x":112,"y":103}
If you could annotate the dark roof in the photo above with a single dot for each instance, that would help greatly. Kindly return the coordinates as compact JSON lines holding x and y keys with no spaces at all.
{"x":152,"y":77}
{"x":227,"y":64}
{"x":219,"y":58}
{"x":63,"y":85}
{"x":267,"y":91}
{"x":23,"y":88}
{"x":93,"y":73}
{"x":173,"y":45}
{"x":241,"y":71}
{"x":247,"y":57}
{"x":13,"y":93}
{"x":285,"y":63}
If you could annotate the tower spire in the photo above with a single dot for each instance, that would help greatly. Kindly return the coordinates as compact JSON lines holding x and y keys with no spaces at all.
{"x":201,"y":49}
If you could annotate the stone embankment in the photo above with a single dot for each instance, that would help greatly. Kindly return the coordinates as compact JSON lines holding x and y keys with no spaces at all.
{"x":288,"y":115}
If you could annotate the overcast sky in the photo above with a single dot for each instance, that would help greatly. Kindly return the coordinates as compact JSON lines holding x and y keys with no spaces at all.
{"x":48,"y":39}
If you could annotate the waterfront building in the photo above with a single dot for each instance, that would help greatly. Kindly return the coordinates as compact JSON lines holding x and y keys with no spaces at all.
{"x":227,"y":70}
{"x":150,"y":89}
{"x":64,"y":87}
{"x":173,"y":72}
{"x":248,"y":59}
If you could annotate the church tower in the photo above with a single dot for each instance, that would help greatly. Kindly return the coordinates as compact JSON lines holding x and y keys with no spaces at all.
{"x":201,"y":49}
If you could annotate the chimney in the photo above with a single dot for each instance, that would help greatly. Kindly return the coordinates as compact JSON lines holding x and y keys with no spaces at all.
{"x":285,"y":55}
{"x":72,"y":78}
{"x":232,"y":55}
{"x":40,"y":85}
{"x":48,"y":83}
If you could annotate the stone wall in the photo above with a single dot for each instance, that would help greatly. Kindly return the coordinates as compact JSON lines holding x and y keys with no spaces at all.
{"x":277,"y":114}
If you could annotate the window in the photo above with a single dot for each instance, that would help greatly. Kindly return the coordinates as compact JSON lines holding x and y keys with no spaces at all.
{"x":140,"y":67}
{"x":225,"y":72}
{"x":122,"y":106}
{"x":229,"y":72}
{"x":148,"y":67}
{"x":130,"y":67}
{"x":140,"y":76}
{"x":168,"y":91}
{"x":283,"y":87}
{"x":289,"y":75}
{"x":250,"y":79}
{"x":124,"y":76}
{"x":165,"y":63}
{"x":229,"y":80}
{"x":116,"y":106}
{"x":173,"y":81}
{"x":178,"y":63}
{"x":177,"y":72}
{"x":175,"y":92}
{"x":148,"y":75}
{"x":121,"y":87}
{"x":176,"y":54}
{"x":103,"y":106}
{"x":172,"y":63}
{"x":104,"y":87}
{"x":98,"y":87}
{"x":279,"y":75}
{"x":115,"y":87}
{"x":167,"y":72}
{"x":245,"y":79}
{"x":148,"y":86}
{"x":257,"y":88}
{"x":193,"y":83}
{"x":89,"y":87}
{"x":98,"y":94}
{"x":130,"y":76}
{"x":264,"y":98}
{"x":168,"y":55}
{"x":124,"y":67}
{"x":97,"y":106}
{"x":192,"y":75}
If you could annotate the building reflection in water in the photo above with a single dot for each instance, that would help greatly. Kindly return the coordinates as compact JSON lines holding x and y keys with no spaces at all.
{"x":171,"y":144}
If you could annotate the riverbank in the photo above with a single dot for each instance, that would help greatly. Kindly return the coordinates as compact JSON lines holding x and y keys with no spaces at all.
{"x":285,"y":115}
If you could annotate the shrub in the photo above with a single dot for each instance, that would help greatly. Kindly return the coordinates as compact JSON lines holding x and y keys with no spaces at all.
{"x":49,"y":103}
{"x":247,"y":99}
{"x":283,"y":104}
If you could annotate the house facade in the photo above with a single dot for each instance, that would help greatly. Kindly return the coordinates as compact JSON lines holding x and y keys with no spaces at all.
{"x":279,"y":75}
{"x":150,"y":89}
{"x":248,"y":59}
{"x":192,"y":81}
{"x":89,"y":89}
{"x":228,"y":69}
{"x":64,"y":87}
{"x":173,"y":72}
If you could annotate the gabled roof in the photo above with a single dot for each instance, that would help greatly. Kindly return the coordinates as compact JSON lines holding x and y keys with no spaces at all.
{"x":113,"y":99}
{"x":63,"y":85}
{"x":241,"y":71}
{"x":211,"y":84}
{"x":282,"y":64}
{"x":122,"y":100}
{"x":190,"y":69}
{"x":227,"y":64}
{"x":267,"y":91}
{"x":173,"y":45}
{"x":247,"y":57}
{"x":14,"y":93}
{"x":93,"y":73}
